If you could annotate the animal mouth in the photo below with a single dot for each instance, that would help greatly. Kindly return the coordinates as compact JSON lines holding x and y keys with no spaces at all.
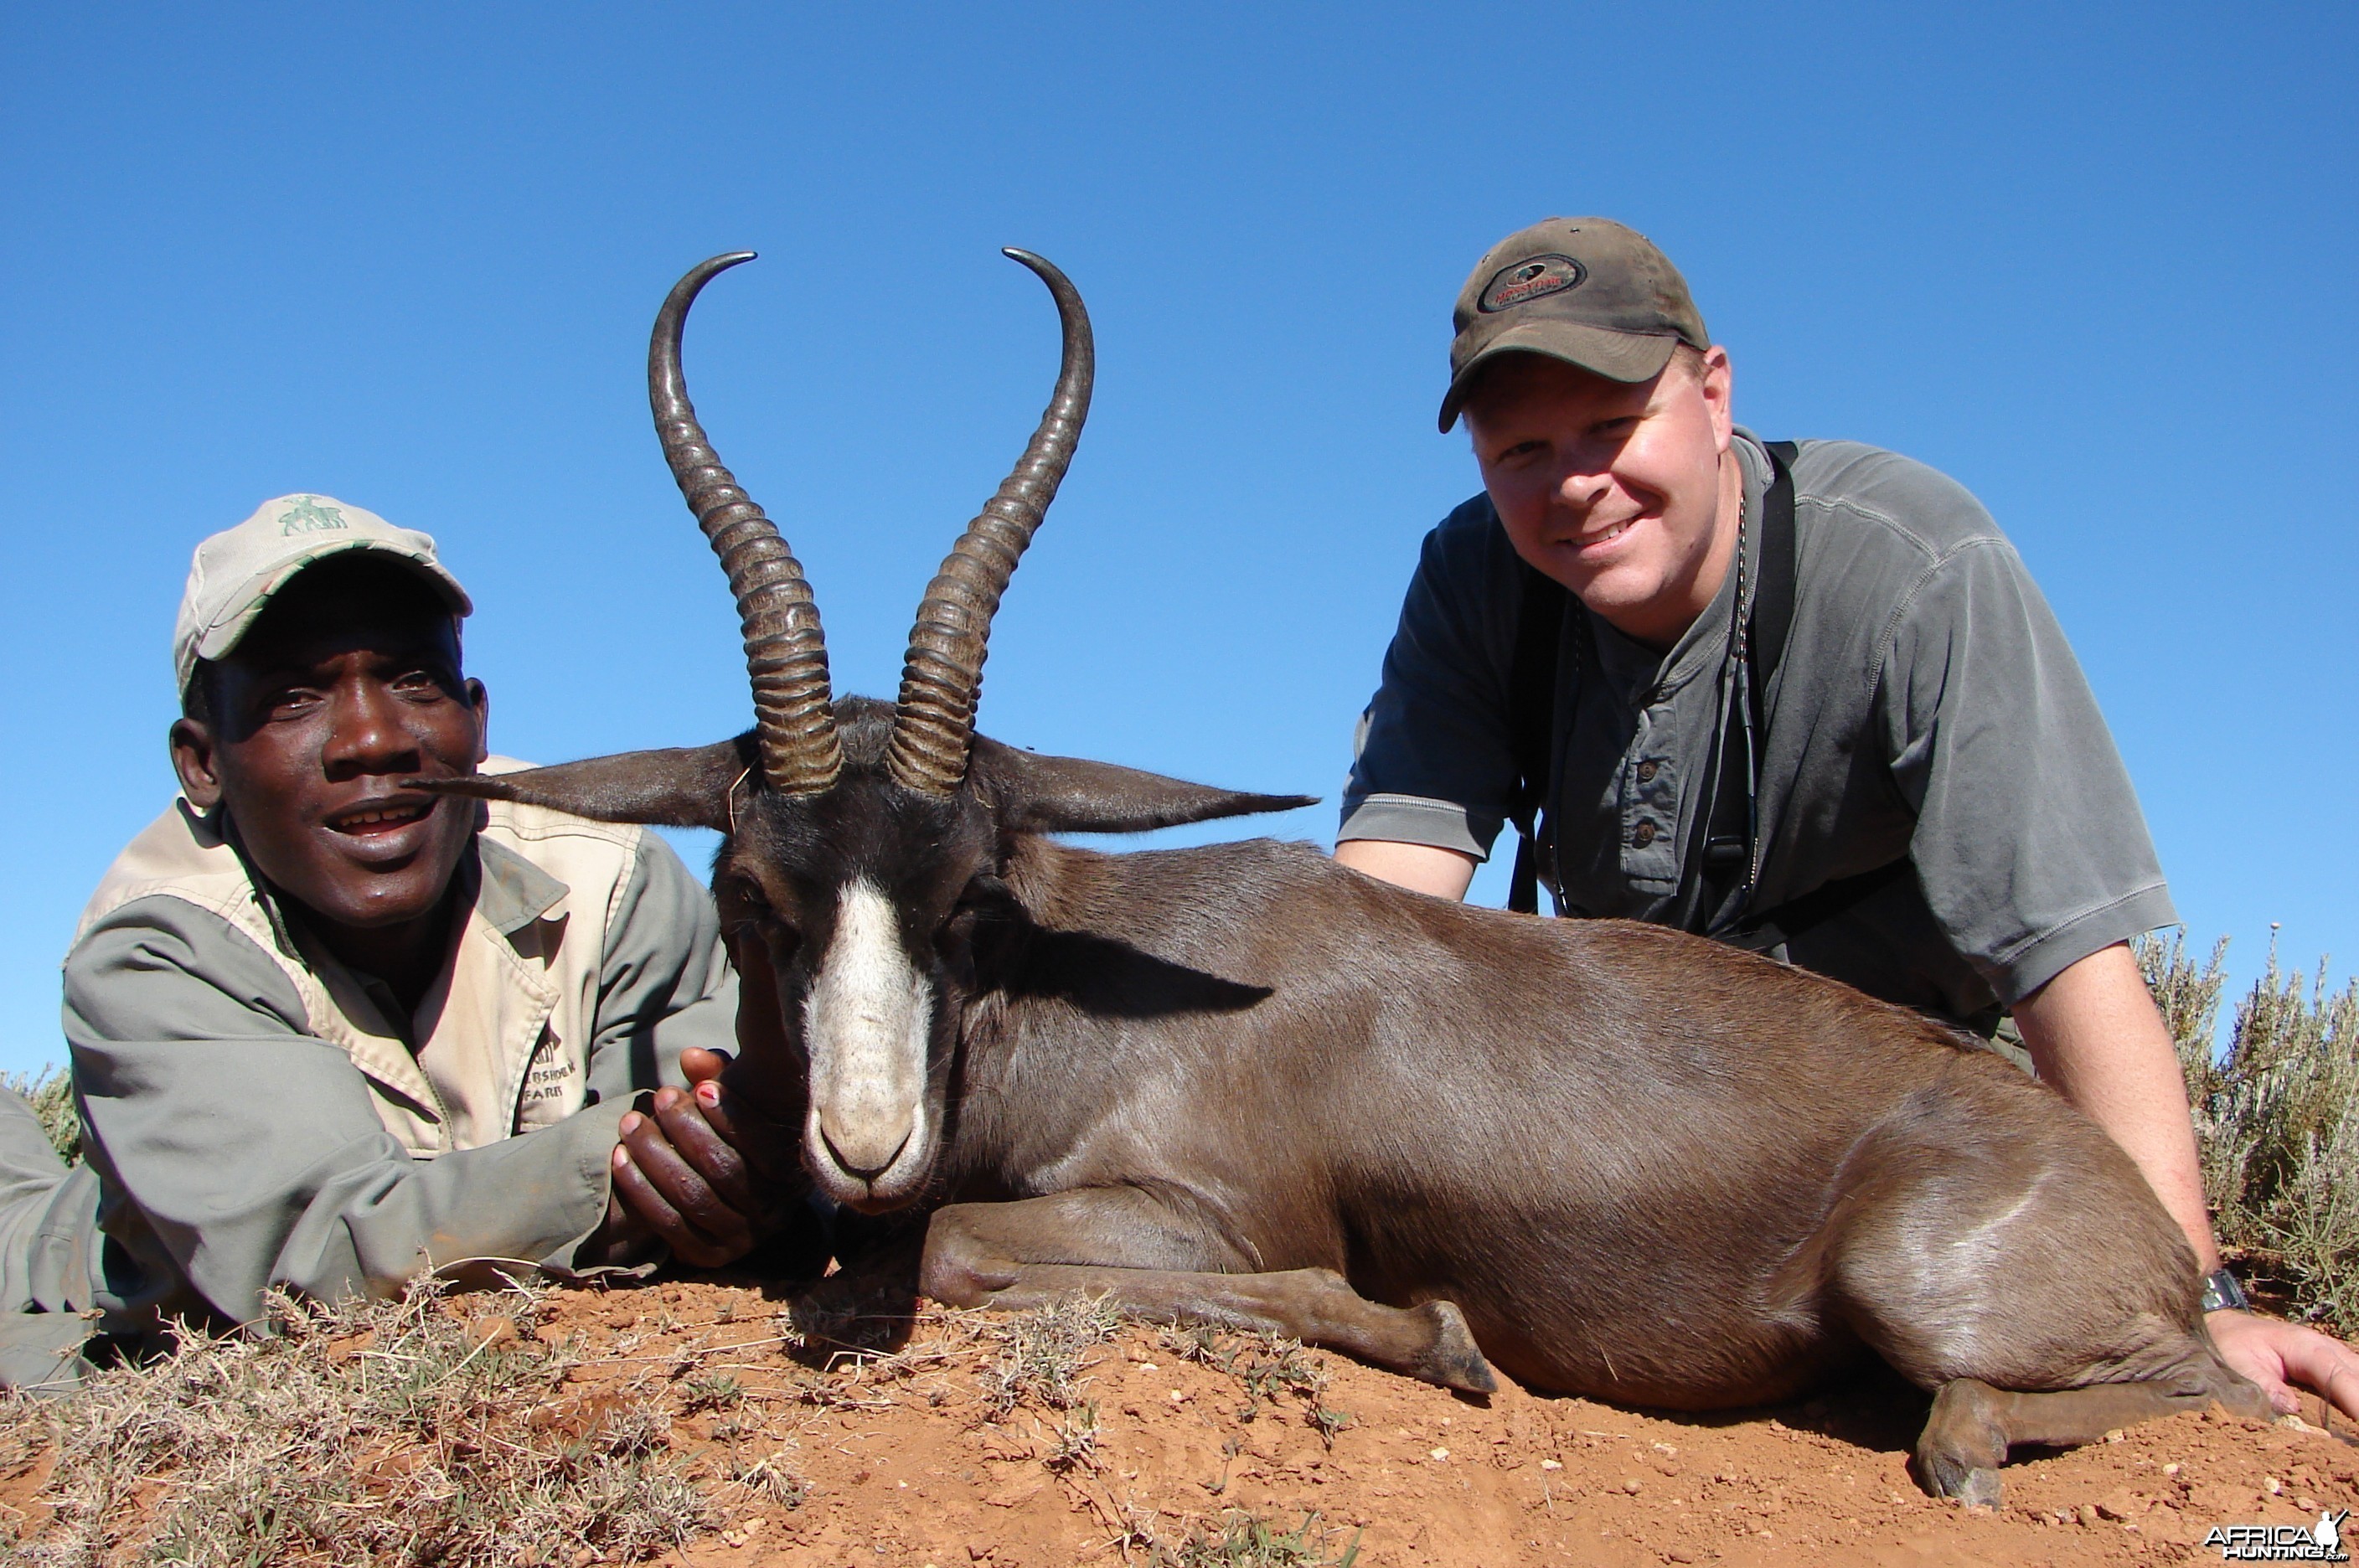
{"x":855,"y":1182}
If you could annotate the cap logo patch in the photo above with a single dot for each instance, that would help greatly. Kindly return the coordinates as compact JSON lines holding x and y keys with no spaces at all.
{"x":306,"y":515}
{"x":1534,"y":278}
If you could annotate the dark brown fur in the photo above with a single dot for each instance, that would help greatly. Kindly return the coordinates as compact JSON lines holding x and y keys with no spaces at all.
{"x":1244,"y":1084}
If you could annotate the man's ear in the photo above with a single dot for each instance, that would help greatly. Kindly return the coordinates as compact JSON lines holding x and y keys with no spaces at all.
{"x":1031,"y":793}
{"x":481,"y":700}
{"x":192,"y":759}
{"x":1719,"y":388}
{"x":685,"y":787}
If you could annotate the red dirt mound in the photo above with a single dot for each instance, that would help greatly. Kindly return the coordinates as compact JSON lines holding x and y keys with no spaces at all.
{"x":1065,"y":1437}
{"x":962,"y":1449}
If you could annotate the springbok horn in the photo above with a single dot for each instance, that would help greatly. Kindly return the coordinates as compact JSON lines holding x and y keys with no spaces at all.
{"x":785,"y":653}
{"x":933,"y":722}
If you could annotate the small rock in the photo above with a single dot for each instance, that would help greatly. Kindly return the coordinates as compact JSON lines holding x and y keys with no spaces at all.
{"x":2114,"y":1435}
{"x":1551,"y":1465}
{"x":2305,"y":1503}
{"x":2088,"y":1515}
{"x":2170,"y":1469}
{"x":2273,"y":1484}
{"x":1631,"y":1485}
{"x":1678,"y":1554}
{"x":1441,"y":1453}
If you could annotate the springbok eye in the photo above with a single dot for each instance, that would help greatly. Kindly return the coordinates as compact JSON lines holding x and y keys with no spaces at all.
{"x":743,"y":902}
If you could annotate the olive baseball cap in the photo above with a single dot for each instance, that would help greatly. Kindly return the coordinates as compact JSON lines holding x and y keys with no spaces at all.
{"x":235,"y":572}
{"x":1589,"y":291}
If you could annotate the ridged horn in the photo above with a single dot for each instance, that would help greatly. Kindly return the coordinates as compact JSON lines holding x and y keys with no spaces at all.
{"x":941,"y":677}
{"x":785,"y":653}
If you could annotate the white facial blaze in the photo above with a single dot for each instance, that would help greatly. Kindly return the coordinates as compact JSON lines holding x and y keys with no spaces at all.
{"x":866,"y":1021}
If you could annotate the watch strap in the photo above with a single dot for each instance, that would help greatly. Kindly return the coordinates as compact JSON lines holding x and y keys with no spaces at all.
{"x":2223,"y":1294}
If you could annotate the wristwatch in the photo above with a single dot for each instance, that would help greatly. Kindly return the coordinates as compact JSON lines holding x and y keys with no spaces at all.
{"x":2223,"y":1294}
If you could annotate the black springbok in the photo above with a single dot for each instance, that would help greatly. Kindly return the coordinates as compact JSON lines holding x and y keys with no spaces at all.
{"x":1243,"y":1083}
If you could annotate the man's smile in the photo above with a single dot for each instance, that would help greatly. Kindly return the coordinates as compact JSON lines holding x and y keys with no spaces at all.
{"x":1587,"y":543}
{"x":385,"y":828}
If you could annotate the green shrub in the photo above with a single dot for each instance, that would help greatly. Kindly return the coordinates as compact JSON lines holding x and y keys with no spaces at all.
{"x":2276,"y":1118}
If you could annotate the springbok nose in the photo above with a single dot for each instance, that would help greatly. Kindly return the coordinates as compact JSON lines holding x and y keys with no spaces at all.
{"x":865,"y":1154}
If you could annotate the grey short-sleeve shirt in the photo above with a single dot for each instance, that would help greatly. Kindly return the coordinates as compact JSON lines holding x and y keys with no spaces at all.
{"x":1928,"y":707}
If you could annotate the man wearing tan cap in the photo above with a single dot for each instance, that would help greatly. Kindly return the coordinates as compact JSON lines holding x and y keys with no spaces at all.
{"x":1799,"y":697}
{"x":329,"y":1031}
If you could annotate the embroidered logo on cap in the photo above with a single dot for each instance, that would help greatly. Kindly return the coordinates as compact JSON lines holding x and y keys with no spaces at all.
{"x":1534,"y":278}
{"x":307,"y":515}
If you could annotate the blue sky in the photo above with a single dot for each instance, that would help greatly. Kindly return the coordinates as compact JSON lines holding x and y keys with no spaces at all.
{"x":2094,"y":261}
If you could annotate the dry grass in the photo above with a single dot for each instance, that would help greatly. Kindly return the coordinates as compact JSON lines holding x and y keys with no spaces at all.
{"x":2277,"y":1117}
{"x":50,"y":1094}
{"x":368,"y":1432}
{"x":1043,"y":1352}
{"x":1244,"y":1541}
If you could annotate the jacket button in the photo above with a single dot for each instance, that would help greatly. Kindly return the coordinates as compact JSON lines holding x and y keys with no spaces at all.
{"x":1644,"y":834}
{"x":1647,"y":771}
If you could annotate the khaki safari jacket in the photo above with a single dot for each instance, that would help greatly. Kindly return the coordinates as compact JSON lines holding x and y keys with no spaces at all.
{"x":260,"y":1116}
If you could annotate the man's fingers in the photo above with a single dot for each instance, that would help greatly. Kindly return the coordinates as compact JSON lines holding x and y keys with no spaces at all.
{"x":2328,"y":1365}
{"x":684,"y":1191}
{"x":683,"y":1186}
{"x":771,"y":1150}
{"x":699,"y":1065}
{"x":654,"y":1211}
{"x":687,"y":1124}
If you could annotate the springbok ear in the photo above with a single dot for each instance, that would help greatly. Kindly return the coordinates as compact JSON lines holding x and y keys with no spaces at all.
{"x":1063,"y":794}
{"x":685,"y":788}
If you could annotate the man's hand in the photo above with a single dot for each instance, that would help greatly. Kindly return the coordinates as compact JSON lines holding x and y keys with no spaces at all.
{"x":2276,"y":1354}
{"x":682,"y":1173}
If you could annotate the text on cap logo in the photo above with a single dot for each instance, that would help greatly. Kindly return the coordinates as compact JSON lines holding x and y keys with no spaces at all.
{"x":1534,"y":278}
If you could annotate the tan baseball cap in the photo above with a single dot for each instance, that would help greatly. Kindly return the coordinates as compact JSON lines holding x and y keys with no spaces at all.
{"x":235,"y":572}
{"x":1589,"y":291}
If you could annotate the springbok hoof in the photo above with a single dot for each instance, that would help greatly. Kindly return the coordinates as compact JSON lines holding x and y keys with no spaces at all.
{"x":1454,"y":1360}
{"x":1981,"y":1490}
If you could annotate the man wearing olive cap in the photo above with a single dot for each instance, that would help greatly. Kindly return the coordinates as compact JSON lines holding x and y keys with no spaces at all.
{"x":329,"y":1031}
{"x":1804,"y":698}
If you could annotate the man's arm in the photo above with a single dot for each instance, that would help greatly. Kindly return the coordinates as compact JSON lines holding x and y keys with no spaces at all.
{"x":1420,"y":867}
{"x":1433,"y":766}
{"x":247,"y":1154}
{"x":2095,"y":1034}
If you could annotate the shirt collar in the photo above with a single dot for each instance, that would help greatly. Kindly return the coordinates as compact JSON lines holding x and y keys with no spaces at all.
{"x":1649,"y":677}
{"x":515,"y":892}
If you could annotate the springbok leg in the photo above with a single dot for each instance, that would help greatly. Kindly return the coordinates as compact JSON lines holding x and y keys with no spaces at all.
{"x":1966,"y":1438}
{"x":1122,"y":1244}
